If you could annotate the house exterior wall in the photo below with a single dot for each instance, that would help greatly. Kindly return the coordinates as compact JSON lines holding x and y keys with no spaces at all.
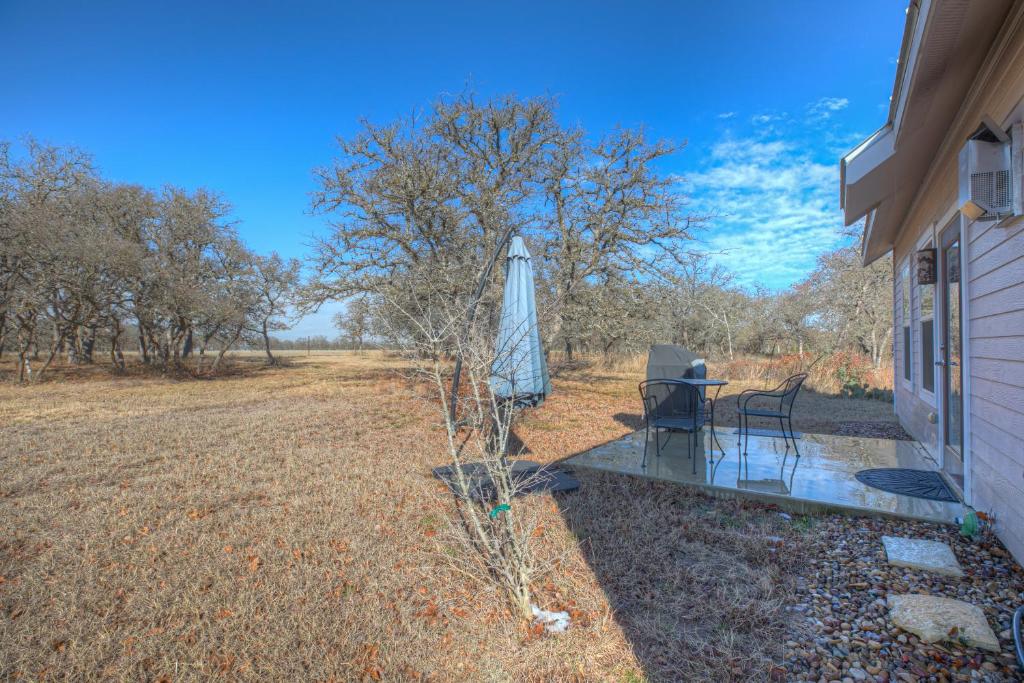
{"x":993,"y":309}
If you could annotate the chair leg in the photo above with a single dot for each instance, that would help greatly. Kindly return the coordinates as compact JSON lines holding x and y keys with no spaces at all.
{"x":746,"y":436}
{"x":784,"y":439}
{"x":647,"y":438}
{"x":694,"y":456}
{"x":739,"y":430}
{"x":657,"y":442}
{"x":792,"y":437}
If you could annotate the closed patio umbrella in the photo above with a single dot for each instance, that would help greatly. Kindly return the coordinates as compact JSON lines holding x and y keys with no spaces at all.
{"x":519,"y":378}
{"x":519,"y":373}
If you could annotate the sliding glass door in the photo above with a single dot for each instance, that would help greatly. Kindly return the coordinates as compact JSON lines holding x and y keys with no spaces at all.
{"x":951,"y":352}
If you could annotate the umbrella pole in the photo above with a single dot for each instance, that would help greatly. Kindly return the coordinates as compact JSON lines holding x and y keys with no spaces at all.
{"x":471,"y":316}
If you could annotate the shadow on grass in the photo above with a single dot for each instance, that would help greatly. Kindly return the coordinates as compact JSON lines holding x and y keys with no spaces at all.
{"x":516,"y":445}
{"x":188,"y":370}
{"x":634,"y":421}
{"x":695,"y":584}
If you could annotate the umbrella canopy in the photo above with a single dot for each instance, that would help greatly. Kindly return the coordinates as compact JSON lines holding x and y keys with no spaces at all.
{"x":519,"y":372}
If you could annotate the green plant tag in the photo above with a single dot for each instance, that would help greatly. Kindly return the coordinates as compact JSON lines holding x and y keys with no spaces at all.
{"x":970,"y":525}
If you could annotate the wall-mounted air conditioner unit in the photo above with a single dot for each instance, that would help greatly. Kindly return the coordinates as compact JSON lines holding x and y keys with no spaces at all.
{"x":986,"y":175}
{"x":991,"y":174}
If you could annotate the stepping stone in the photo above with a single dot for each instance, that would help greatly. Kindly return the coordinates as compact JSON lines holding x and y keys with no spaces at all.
{"x":917,"y":553}
{"x":935,"y":619}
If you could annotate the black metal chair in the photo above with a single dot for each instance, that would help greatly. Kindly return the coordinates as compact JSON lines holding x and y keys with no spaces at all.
{"x":674,"y":406}
{"x":785,"y":393}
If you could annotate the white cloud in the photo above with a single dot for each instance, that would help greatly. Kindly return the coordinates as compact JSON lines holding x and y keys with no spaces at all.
{"x":727,"y":115}
{"x":778,"y":209}
{"x":826,"y":106}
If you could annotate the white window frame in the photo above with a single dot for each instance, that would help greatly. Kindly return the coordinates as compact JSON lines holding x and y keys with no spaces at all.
{"x":906,"y":318}
{"x":917,"y":340}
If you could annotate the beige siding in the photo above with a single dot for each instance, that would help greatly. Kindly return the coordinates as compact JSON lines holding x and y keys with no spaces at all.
{"x":995,"y":267}
{"x":994,"y":323}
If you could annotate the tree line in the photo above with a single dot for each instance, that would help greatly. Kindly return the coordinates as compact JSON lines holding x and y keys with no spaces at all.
{"x":88,"y":264}
{"x":416,"y":209}
{"x":418,"y":206}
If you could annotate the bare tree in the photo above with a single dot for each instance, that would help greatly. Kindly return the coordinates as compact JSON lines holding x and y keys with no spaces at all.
{"x":354,"y":322}
{"x":83,"y":261}
{"x":854,"y":302}
{"x":274,"y":282}
{"x":491,"y":526}
{"x":446,"y":188}
{"x":614,"y":217}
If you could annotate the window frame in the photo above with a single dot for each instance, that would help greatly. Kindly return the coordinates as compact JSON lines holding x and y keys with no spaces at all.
{"x":929,"y":396}
{"x":906,"y":325}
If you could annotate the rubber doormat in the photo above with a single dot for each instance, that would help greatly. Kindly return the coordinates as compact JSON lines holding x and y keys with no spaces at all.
{"x":917,"y":483}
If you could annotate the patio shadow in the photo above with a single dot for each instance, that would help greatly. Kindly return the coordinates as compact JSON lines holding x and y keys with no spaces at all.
{"x":694,"y":584}
{"x":634,"y":421}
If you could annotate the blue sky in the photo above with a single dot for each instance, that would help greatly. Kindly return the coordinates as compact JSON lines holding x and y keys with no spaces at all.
{"x":246,"y":98}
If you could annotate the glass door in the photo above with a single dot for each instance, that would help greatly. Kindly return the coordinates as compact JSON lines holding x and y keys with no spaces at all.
{"x":951,"y":347}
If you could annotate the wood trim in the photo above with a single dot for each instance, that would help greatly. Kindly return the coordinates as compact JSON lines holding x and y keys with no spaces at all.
{"x":965,"y":362}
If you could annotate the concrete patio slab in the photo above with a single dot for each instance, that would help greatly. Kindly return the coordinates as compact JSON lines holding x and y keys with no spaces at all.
{"x":935,"y":619}
{"x":822,"y":478}
{"x":917,"y":553}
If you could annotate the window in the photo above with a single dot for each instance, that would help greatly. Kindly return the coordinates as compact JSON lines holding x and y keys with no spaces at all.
{"x":904,"y":281}
{"x":926,"y":303}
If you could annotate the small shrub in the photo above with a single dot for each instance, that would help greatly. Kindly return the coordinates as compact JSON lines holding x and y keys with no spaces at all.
{"x":852,"y":385}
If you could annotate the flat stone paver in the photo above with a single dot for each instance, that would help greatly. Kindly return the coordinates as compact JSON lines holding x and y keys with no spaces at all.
{"x":935,"y":619}
{"x":916,"y":553}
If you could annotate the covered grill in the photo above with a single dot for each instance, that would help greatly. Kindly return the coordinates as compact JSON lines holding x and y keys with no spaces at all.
{"x":669,"y":361}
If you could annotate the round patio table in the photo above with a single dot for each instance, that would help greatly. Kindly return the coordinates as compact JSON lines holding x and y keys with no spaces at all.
{"x":703,"y":384}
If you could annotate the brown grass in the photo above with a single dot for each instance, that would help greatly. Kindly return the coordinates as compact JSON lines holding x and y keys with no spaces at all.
{"x":281,"y":523}
{"x":826,"y":372}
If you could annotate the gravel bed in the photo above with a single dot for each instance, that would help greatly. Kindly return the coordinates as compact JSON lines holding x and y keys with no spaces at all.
{"x":841,"y":631}
{"x":873,"y":430}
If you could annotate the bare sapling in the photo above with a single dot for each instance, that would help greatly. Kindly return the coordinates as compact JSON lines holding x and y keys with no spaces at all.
{"x":491,"y":526}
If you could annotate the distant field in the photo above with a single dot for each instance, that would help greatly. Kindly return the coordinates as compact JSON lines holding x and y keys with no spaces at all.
{"x":282,"y":523}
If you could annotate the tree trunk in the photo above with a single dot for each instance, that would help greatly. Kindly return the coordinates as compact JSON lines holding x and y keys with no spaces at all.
{"x":186,"y":351}
{"x":224,"y":349}
{"x":24,"y":363}
{"x":143,"y":349}
{"x":728,"y":333}
{"x":116,"y":356}
{"x":266,"y":345}
{"x":88,"y":344}
{"x":24,"y":368}
{"x":49,"y":359}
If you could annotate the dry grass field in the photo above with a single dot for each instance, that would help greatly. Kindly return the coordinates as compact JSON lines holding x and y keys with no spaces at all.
{"x":282,"y":523}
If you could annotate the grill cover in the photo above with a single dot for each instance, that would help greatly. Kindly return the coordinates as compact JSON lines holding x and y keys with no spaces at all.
{"x":669,"y":361}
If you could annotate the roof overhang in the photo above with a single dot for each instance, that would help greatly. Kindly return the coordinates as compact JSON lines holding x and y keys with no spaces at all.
{"x":944,"y":45}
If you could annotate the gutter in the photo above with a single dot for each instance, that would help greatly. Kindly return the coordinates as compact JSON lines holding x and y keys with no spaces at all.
{"x":909,"y":27}
{"x":899,"y":85}
{"x":913,"y":12}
